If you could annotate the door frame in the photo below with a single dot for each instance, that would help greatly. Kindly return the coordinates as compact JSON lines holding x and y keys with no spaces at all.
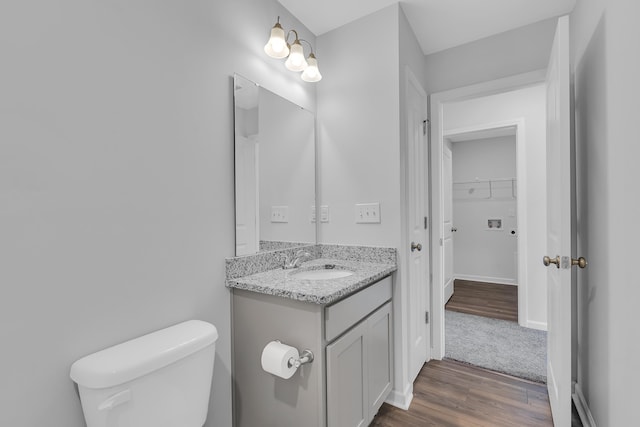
{"x":437,"y":102}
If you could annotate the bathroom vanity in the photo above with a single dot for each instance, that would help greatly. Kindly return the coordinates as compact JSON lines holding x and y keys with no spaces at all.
{"x":345,"y":321}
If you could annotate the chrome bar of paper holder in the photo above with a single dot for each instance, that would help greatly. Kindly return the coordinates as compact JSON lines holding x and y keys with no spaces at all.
{"x":305,"y":357}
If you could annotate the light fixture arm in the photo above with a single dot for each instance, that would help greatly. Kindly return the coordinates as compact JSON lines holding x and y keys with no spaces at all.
{"x":310,"y":47}
{"x":289,"y":33}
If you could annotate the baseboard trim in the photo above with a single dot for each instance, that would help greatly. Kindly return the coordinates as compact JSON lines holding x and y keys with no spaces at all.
{"x":448,"y":292}
{"x":486,"y":279}
{"x":583,"y":409}
{"x":399,"y":399}
{"x":541,"y":326}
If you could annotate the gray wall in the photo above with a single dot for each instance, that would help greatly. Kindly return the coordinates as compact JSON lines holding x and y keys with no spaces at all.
{"x":361,"y":135}
{"x":512,"y":52}
{"x":358,"y":134}
{"x":479,"y":253}
{"x":116,"y":181}
{"x":606,"y":68}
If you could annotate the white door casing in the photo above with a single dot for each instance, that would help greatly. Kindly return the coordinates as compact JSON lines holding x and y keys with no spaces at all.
{"x":447,"y":222}
{"x":559,"y":196}
{"x":417,"y":195}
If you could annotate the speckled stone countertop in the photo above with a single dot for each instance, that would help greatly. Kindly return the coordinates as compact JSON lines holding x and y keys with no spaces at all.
{"x":283,"y":283}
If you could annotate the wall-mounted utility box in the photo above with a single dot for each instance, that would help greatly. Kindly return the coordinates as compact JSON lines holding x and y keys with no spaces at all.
{"x":368,"y":213}
{"x":494,"y":224}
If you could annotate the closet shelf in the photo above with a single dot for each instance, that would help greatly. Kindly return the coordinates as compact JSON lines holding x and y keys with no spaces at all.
{"x":485,"y":189}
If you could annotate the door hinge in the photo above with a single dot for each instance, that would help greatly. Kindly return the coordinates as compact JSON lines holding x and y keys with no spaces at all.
{"x":441,"y":241}
{"x":426,"y":223}
{"x":426,"y":317}
{"x":425,"y":125}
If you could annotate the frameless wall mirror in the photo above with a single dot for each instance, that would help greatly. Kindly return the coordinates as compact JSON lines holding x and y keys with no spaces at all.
{"x":274,"y":171}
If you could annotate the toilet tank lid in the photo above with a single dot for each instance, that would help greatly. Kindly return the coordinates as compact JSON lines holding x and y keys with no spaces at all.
{"x":140,"y":356}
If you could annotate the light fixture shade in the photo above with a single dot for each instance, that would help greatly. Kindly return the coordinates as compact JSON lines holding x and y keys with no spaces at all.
{"x":277,"y":47}
{"x":296,"y":61}
{"x":311,"y":73}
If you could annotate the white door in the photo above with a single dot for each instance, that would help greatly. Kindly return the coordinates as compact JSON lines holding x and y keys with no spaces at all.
{"x":447,"y":221}
{"x":247,"y":226}
{"x":559,"y":228}
{"x":419,"y":332}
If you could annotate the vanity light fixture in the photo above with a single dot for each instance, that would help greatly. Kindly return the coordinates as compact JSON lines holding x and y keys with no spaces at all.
{"x":278,"y":47}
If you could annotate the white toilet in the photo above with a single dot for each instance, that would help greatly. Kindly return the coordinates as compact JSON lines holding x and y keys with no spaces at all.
{"x":162,"y":379}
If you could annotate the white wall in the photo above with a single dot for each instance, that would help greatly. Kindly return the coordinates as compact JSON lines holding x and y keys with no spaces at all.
{"x":116,"y":181}
{"x":481,"y":253}
{"x":358,"y":123}
{"x":527,"y":104}
{"x":606,"y":68}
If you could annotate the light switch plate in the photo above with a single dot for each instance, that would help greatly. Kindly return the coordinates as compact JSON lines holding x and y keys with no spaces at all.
{"x":279,"y":213}
{"x":368,"y":213}
{"x":324,"y":213}
{"x":313,"y":214}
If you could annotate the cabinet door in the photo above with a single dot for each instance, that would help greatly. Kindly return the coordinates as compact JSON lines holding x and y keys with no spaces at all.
{"x":347,"y":380}
{"x":379,"y":357}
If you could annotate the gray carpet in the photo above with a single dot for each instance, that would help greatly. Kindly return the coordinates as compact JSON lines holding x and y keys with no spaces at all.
{"x":498,"y":345}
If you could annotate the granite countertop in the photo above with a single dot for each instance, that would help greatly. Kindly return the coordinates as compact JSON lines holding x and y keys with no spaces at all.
{"x":283,"y":283}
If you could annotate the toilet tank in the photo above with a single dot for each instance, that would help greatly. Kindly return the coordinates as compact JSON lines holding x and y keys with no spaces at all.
{"x":162,"y":379}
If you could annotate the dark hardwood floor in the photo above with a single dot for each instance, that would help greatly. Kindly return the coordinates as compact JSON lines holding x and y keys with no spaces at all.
{"x":485,"y":299}
{"x":448,"y":393}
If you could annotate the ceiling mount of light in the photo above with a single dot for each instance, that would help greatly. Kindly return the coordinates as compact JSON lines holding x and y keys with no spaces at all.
{"x":278,"y":47}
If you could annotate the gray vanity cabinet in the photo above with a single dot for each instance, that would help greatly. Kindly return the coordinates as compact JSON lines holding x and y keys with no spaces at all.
{"x":359,"y":371}
{"x":350,"y":376}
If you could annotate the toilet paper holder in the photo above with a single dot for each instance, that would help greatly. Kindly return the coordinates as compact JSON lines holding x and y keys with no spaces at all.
{"x":305,"y":357}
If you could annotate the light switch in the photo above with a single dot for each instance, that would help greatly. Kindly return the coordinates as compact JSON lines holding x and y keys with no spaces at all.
{"x":279,"y":213}
{"x":313,"y":213}
{"x":368,"y":213}
{"x":324,"y":213}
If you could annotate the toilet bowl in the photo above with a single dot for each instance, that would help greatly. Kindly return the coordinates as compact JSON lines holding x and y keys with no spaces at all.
{"x":162,"y":379}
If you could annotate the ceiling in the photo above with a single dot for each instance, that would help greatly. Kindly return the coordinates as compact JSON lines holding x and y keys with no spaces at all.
{"x":438,"y":24}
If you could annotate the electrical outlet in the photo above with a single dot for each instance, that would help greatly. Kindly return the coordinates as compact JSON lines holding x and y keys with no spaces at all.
{"x":368,"y":213}
{"x":313,"y":214}
{"x":279,"y":213}
{"x":324,"y":213}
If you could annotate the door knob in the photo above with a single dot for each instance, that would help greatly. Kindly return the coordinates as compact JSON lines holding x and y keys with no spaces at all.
{"x":548,"y":261}
{"x":580,"y":262}
{"x":415,"y":246}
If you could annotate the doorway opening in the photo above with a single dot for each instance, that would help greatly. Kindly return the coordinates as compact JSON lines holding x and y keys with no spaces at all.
{"x":484,"y":229}
{"x":480,"y":225}
{"x":508,"y":111}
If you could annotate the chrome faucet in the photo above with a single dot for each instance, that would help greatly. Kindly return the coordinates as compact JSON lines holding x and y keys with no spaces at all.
{"x":296,"y":261}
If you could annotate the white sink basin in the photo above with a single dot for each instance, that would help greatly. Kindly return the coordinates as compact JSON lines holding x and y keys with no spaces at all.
{"x":323,"y":274}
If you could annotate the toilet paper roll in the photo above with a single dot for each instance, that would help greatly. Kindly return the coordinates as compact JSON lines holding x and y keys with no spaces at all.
{"x":275,"y":359}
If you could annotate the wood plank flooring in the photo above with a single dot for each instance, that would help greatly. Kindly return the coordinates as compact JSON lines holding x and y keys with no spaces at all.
{"x":448,"y":394}
{"x":485,"y":299}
